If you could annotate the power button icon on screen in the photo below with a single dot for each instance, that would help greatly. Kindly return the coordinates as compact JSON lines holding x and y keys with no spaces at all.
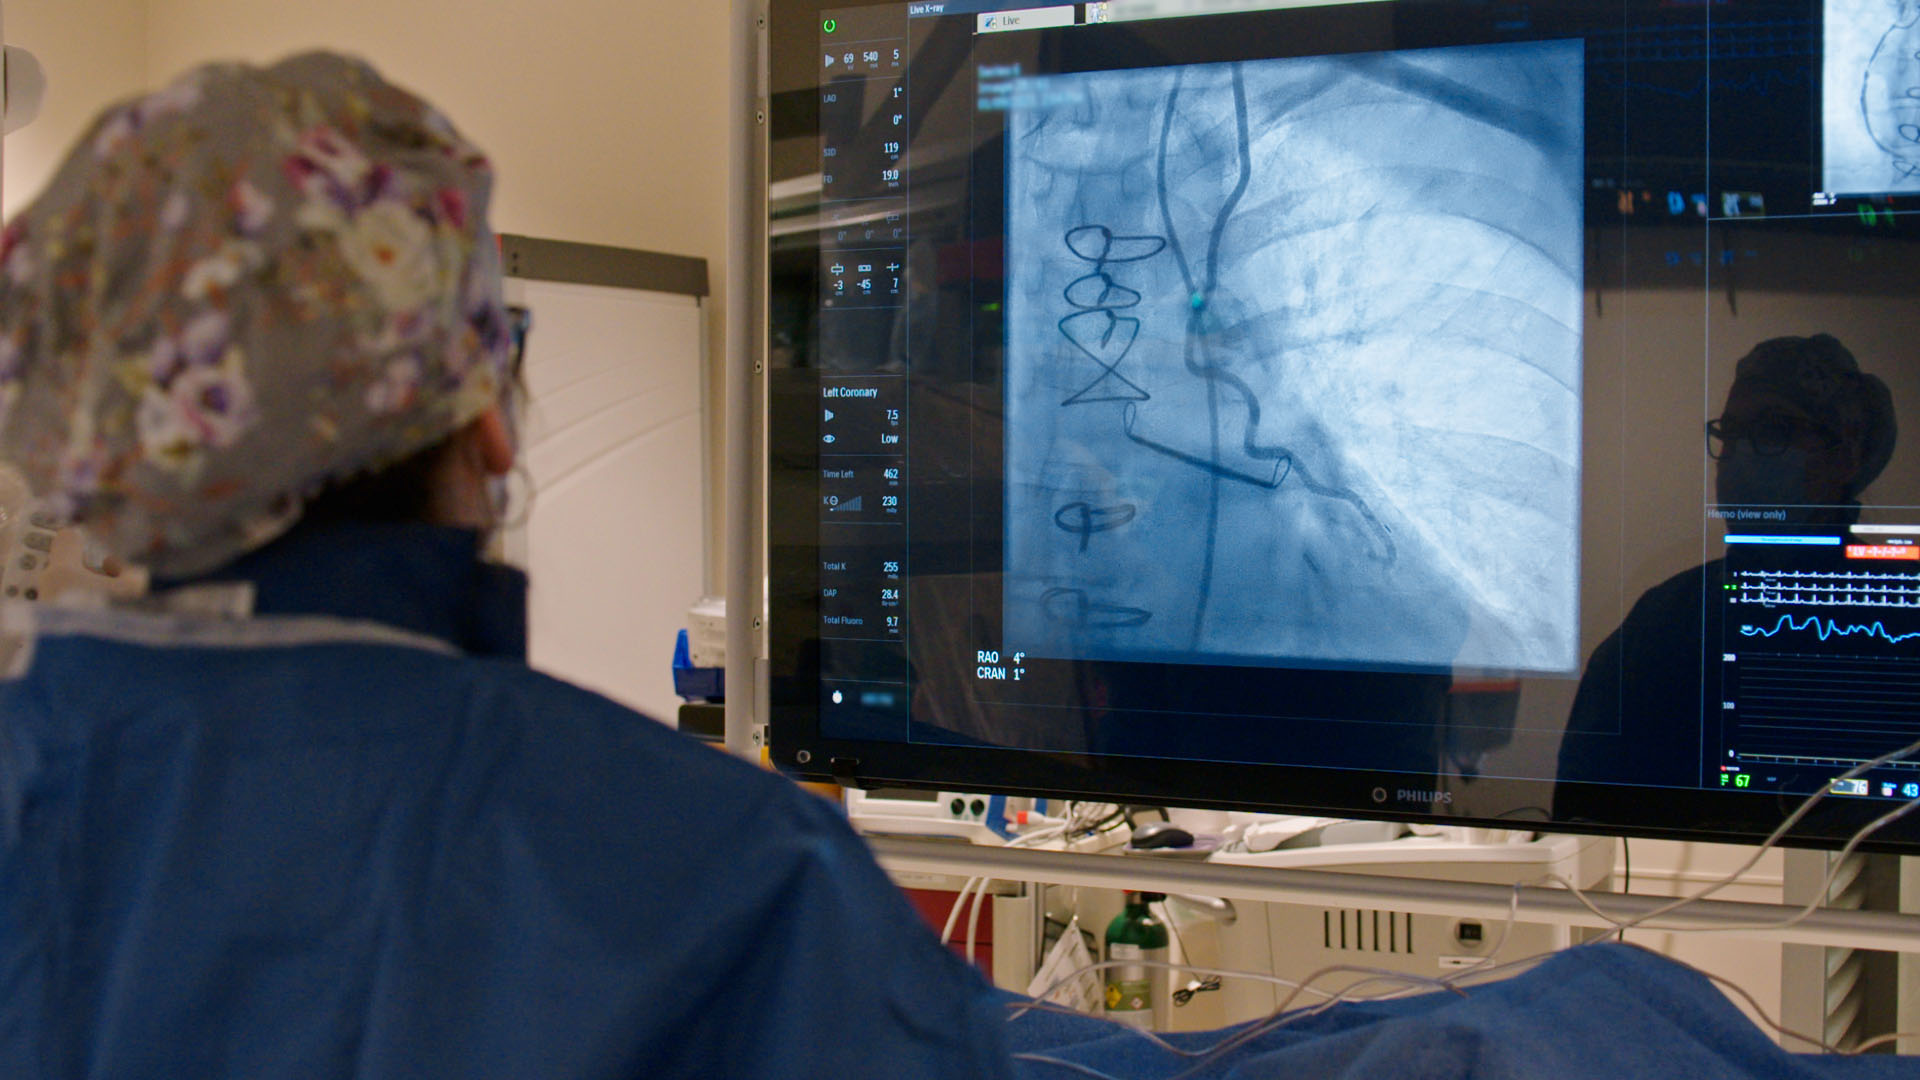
{"x":1379,"y":794}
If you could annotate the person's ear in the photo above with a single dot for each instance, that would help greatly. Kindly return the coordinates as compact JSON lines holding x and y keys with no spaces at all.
{"x":1832,"y":472}
{"x":496,"y":442}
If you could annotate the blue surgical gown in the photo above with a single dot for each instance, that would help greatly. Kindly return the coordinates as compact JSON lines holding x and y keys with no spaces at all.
{"x":354,"y":835}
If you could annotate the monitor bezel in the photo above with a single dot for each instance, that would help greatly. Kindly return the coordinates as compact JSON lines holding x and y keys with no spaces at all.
{"x":799,"y":747}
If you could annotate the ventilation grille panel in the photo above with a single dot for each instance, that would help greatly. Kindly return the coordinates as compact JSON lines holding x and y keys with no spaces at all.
{"x":1366,"y":930}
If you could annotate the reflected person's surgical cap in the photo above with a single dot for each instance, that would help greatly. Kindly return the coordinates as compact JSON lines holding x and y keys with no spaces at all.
{"x":1818,"y":374}
{"x":237,"y":290}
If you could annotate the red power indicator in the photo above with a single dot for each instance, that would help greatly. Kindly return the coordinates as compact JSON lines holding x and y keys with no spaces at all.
{"x":1882,"y":551}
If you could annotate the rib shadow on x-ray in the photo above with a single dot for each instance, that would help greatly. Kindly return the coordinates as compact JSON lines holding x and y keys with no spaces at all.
{"x":1298,"y":379}
{"x":1870,"y":96}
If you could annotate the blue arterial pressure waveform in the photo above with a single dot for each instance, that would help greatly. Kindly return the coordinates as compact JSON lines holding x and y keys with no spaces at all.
{"x":1827,"y":628}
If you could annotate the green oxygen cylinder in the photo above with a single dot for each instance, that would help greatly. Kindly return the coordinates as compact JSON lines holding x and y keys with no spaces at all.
{"x":1137,"y":993}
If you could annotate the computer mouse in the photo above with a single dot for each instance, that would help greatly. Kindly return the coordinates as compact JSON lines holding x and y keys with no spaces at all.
{"x":1160,"y":834}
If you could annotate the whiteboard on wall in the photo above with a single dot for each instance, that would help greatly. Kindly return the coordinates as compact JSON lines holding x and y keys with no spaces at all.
{"x":611,"y":443}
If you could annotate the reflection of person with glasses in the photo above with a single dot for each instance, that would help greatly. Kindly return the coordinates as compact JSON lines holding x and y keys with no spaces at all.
{"x":1804,"y":430}
{"x":1803,"y":433}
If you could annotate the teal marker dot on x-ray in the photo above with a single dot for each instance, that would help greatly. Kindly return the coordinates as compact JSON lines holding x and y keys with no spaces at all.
{"x":1199,"y":301}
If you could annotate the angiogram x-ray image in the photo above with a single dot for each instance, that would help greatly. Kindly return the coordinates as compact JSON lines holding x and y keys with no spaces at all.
{"x":1870,"y":97}
{"x":1293,"y":361}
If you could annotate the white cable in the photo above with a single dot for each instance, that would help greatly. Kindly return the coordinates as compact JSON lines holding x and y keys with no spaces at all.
{"x":1506,"y":928}
{"x":1044,"y":833}
{"x":1621,"y":925}
{"x":953,"y":914}
{"x":1021,"y":1008}
{"x":1773,"y":838}
{"x":973,"y":921}
{"x":1081,"y":817}
{"x":1878,"y":1039}
{"x":1452,"y":982}
{"x":1102,"y":965}
{"x":1820,"y":895}
{"x":1412,"y":984}
{"x":1768,"y":1020}
{"x":1642,"y":920}
{"x":1280,"y":1017}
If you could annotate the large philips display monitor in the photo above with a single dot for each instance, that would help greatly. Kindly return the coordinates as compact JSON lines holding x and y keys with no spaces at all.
{"x":1487,"y":412}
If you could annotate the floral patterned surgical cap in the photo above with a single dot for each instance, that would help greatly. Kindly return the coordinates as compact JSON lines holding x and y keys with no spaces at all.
{"x":238,"y":289}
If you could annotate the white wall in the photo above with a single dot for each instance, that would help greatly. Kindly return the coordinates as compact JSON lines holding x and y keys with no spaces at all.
{"x":604,"y":118}
{"x":605,"y":123}
{"x":95,"y":53}
{"x":610,"y":440}
{"x":1665,"y":868}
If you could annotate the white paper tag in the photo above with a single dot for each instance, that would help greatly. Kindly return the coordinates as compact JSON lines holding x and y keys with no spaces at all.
{"x":1069,"y":954}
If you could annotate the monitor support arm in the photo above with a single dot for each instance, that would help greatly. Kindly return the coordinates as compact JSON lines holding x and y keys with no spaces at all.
{"x":1421,"y":896}
{"x":744,"y":361}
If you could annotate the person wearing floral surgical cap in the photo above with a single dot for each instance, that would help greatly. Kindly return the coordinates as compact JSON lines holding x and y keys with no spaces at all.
{"x":305,"y":811}
{"x":238,"y":291}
